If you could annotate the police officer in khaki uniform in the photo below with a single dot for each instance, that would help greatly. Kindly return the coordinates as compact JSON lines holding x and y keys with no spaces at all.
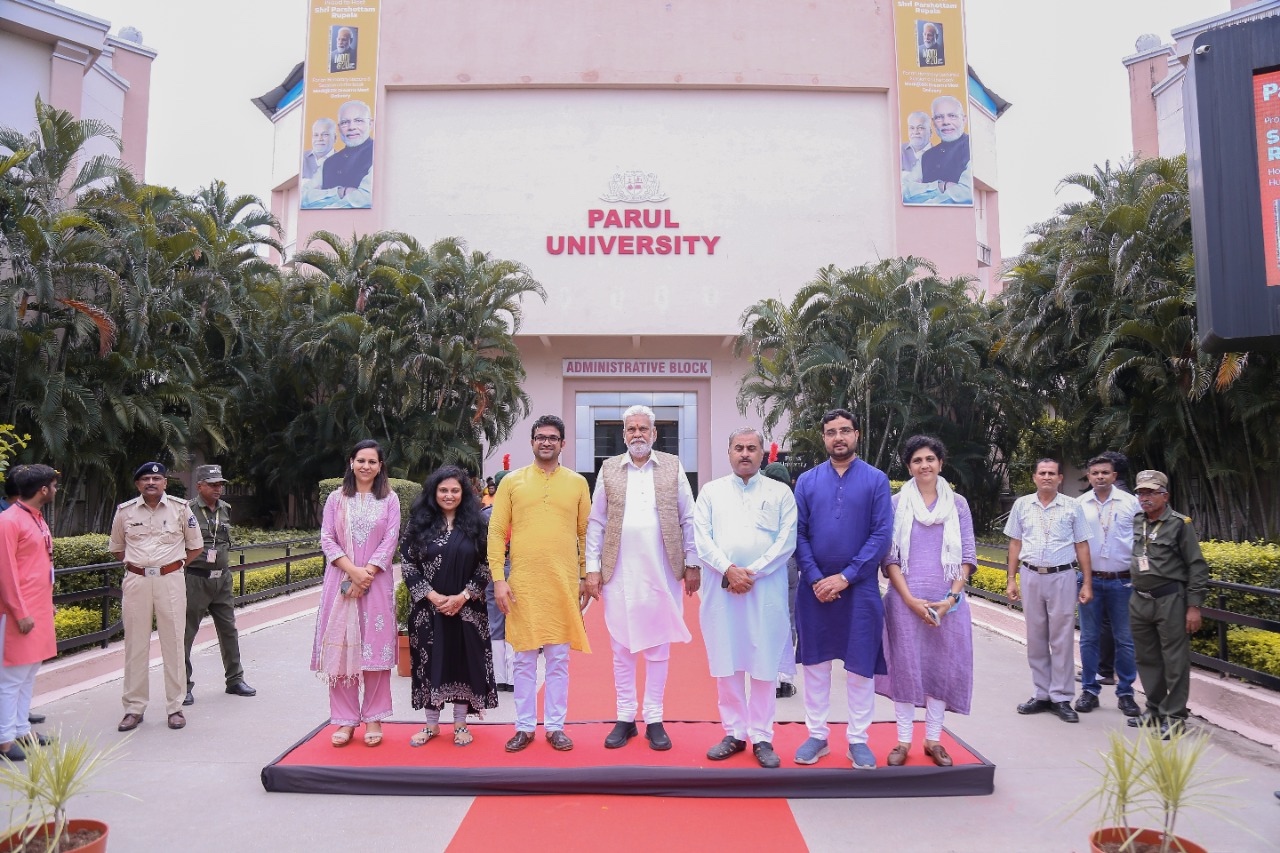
{"x":209,"y":581}
{"x":155,"y":536}
{"x":1170,"y":578}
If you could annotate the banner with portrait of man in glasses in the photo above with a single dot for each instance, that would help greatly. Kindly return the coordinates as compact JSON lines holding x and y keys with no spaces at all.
{"x":933,"y":99}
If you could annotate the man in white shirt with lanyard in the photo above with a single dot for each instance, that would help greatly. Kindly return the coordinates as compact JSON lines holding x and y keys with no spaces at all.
{"x":209,"y":582}
{"x":1048,"y":540}
{"x":1109,"y":513}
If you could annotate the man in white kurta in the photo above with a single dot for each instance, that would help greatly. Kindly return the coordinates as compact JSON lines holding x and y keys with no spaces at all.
{"x":640,"y":551}
{"x":745,"y":530}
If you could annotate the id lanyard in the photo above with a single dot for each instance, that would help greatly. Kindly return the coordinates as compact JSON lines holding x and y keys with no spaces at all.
{"x":213,"y":526}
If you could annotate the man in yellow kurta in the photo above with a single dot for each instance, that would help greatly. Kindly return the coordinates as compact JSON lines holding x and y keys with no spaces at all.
{"x":543,"y":509}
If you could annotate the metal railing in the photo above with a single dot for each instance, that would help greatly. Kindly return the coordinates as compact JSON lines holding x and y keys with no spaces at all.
{"x":1223,"y":618}
{"x":108,"y":591}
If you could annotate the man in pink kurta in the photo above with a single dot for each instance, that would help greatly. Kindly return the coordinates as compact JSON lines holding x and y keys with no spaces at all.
{"x":26,"y":604}
{"x":640,"y":550}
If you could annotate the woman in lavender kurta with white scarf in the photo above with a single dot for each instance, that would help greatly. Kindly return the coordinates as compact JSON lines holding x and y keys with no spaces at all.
{"x":356,"y":627}
{"x":928,"y":636}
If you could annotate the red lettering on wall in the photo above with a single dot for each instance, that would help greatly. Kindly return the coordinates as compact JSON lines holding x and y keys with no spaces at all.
{"x":667,"y":223}
{"x":626,"y":244}
{"x":606,"y":244}
{"x":594,"y":216}
{"x":577,"y":245}
{"x":612,"y":220}
{"x":664,"y":245}
{"x":644,"y":245}
{"x":631,"y":218}
{"x":555,"y":248}
{"x":711,"y":244}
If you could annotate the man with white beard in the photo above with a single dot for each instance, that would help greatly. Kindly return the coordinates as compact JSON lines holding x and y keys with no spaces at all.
{"x":640,"y":548}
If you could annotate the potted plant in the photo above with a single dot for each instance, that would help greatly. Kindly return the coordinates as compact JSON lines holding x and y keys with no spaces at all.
{"x":404,"y":666}
{"x":53,"y":775}
{"x":1156,"y":776}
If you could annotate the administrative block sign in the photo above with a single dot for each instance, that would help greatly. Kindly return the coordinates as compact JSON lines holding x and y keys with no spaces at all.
{"x":341,"y":91}
{"x":933,"y":103}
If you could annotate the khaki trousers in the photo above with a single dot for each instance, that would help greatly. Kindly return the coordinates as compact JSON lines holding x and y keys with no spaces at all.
{"x":166,"y":598}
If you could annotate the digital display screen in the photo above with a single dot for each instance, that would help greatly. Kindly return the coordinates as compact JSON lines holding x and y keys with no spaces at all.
{"x":1266,"y":114}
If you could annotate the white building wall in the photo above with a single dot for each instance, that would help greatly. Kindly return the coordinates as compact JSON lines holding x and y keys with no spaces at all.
{"x":1170,"y":120}
{"x":25,"y":74}
{"x":286,"y":155}
{"x":103,"y":100}
{"x":982,"y":145}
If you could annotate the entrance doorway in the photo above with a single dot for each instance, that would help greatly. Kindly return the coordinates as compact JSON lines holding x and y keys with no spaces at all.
{"x":599,"y":428}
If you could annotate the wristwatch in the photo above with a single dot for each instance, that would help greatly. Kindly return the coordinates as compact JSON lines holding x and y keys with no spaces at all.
{"x":688,"y":567}
{"x":954,"y":596}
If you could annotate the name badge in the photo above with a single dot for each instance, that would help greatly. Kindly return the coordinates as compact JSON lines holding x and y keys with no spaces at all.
{"x":214,"y":574}
{"x":151,"y":571}
{"x":211,"y":556}
{"x":1144,"y":565}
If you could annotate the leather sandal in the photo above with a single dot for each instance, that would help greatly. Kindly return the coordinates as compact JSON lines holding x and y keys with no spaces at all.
{"x":372,"y":738}
{"x":462,"y":736}
{"x":938,"y":753}
{"x":898,"y":755}
{"x":422,"y":738}
{"x":342,"y":736}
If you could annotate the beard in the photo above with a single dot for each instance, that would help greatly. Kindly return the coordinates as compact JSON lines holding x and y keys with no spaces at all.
{"x":639,"y":448}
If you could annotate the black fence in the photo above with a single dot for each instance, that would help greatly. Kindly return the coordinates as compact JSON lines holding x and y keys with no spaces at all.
{"x":107,"y":593}
{"x":1224,"y":618}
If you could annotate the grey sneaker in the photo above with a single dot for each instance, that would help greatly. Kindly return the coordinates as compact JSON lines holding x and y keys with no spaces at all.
{"x":862,"y":756}
{"x":811,"y":750}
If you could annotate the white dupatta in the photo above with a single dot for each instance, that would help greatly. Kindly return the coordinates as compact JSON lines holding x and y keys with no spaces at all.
{"x":911,"y":508}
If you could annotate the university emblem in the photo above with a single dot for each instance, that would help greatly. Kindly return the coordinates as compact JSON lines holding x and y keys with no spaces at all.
{"x":634,"y":187}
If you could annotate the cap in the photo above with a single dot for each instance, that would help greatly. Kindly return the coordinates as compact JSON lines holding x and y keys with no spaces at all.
{"x":778,"y":471}
{"x":209,"y":474}
{"x":497,"y":478}
{"x":1150,"y":480}
{"x":149,"y":468}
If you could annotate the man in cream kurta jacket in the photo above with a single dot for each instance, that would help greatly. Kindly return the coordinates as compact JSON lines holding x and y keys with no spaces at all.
{"x":639,"y":548}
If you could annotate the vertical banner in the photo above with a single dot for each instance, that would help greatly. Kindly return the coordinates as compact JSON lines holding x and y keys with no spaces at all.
{"x":933,"y":100}
{"x":338,"y":117}
{"x":1266,"y":122}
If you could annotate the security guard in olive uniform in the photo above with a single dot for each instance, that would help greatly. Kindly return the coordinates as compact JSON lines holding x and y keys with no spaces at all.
{"x":1170,"y":578}
{"x":209,"y":581}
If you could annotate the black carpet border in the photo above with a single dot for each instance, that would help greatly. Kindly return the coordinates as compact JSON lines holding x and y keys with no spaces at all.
{"x":967,"y":780}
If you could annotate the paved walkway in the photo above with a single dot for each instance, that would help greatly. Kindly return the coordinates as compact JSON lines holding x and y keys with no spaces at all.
{"x":199,"y":790}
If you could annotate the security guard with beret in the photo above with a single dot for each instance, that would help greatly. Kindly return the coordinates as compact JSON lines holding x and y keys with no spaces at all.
{"x":209,"y":581}
{"x":155,"y":536}
{"x":1170,"y":578}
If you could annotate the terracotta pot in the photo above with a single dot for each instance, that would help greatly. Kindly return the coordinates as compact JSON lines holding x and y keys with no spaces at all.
{"x":1118,"y":835}
{"x":404,"y":668}
{"x":98,"y":845}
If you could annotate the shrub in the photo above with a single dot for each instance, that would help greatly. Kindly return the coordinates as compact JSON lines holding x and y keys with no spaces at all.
{"x":83,"y":550}
{"x":1252,"y":563}
{"x":990,"y":580}
{"x":241,"y":536}
{"x":1251,"y":647}
{"x":262,"y":579}
{"x":73,"y":621}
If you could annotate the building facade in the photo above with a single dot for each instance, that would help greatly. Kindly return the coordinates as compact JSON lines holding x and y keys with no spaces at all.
{"x":659,"y":168}
{"x":72,"y":62}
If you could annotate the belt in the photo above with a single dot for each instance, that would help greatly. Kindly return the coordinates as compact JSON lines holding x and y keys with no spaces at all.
{"x":1048,"y":570}
{"x":1105,"y":576}
{"x":202,"y":573}
{"x":1159,"y":592}
{"x":164,"y":570}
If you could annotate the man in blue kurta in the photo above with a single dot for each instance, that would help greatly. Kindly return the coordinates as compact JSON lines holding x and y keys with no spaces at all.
{"x":845,"y":524}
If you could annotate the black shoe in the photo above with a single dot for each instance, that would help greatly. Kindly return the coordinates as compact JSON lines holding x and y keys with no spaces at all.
{"x":1087,"y":702}
{"x":520,"y":741}
{"x":189,"y":699}
{"x":505,"y":688}
{"x":35,"y":719}
{"x":34,"y":739}
{"x":1143,"y":719}
{"x":1127,"y":706}
{"x":14,"y":752}
{"x":1064,"y":712}
{"x":1035,"y":706}
{"x":657,"y":736}
{"x":785,"y":690}
{"x":1171,"y":726}
{"x":1106,"y":679}
{"x":725,"y":748}
{"x":622,"y":732}
{"x":559,"y":740}
{"x":765,"y":755}
{"x":240,"y":689}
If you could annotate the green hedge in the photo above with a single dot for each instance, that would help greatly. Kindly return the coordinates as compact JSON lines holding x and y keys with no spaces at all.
{"x":990,"y":580}
{"x":1251,"y":647}
{"x":73,"y":621}
{"x":262,"y":579}
{"x":83,"y":550}
{"x":241,"y":535}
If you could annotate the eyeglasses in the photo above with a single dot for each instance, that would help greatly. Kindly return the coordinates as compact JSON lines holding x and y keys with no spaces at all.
{"x":832,"y":433}
{"x":547,"y":439}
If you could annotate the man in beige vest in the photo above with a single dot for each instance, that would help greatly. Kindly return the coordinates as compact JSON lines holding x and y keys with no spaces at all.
{"x":639,"y":549}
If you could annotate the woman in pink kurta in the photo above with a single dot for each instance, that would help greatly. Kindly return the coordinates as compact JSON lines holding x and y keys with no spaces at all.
{"x":355,"y":639}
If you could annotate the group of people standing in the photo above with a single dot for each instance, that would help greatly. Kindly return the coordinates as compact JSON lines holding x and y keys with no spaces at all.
{"x":639,"y":545}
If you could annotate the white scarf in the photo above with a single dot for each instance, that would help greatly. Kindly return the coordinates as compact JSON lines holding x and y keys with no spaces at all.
{"x":911,"y":508}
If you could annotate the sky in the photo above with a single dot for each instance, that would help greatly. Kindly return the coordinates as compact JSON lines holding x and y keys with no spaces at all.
{"x":1058,"y":63}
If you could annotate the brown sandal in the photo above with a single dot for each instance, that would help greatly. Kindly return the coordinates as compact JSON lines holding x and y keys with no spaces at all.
{"x":898,"y":755}
{"x":938,"y":753}
{"x":342,"y":736}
